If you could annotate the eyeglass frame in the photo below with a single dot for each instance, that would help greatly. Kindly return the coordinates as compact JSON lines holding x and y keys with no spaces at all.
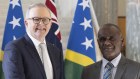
{"x":40,"y":19}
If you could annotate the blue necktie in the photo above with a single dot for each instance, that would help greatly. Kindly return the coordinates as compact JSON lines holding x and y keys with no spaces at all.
{"x":108,"y":73}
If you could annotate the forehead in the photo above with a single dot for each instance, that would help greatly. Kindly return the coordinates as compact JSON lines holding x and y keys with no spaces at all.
{"x":39,"y":12}
{"x":108,"y":31}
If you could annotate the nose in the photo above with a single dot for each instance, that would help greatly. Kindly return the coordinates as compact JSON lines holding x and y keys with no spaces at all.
{"x":107,"y":42}
{"x":41,"y":22}
{"x":41,"y":25}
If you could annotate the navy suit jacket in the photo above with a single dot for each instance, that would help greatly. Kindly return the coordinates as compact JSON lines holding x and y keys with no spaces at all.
{"x":22,"y":61}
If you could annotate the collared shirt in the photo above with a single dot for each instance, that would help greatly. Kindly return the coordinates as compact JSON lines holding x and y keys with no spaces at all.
{"x":48,"y":65}
{"x":115,"y":62}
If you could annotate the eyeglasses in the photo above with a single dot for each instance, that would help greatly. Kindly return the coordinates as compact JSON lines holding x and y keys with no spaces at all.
{"x":37,"y":20}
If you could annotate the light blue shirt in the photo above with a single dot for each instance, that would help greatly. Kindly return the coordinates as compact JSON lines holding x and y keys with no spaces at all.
{"x":115,"y":62}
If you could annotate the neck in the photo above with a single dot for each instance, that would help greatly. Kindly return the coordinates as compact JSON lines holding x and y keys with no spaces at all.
{"x":40,"y":39}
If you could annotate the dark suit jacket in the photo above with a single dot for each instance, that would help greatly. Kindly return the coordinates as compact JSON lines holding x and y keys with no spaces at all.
{"x":21,"y":60}
{"x":127,"y":69}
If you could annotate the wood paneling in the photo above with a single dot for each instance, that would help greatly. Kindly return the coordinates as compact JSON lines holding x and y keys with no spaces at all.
{"x":122,"y":26}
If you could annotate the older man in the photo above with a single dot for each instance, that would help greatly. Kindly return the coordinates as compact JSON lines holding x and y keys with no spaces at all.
{"x":113,"y":65}
{"x":32,"y":57}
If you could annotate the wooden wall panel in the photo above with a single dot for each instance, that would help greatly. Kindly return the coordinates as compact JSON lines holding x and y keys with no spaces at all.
{"x":122,"y":26}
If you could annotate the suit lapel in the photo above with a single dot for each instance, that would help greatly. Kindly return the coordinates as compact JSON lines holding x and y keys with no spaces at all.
{"x":51,"y":55}
{"x":32,"y":50}
{"x":54,"y":54}
{"x":121,"y":68}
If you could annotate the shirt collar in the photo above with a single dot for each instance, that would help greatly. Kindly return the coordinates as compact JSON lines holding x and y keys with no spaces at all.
{"x":35,"y":41}
{"x":115,"y":61}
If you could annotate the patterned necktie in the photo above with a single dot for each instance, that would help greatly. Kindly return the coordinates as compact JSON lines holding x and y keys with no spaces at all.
{"x":108,"y":73}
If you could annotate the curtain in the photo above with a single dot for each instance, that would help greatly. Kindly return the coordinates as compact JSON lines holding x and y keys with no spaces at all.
{"x":133,"y":30}
{"x":106,"y":11}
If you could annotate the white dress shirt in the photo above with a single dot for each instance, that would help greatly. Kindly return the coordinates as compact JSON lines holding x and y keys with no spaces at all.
{"x":46,"y":60}
{"x":115,"y":62}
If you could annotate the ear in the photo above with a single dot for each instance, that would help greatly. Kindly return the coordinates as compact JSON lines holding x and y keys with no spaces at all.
{"x":122,"y":39}
{"x":98,"y":41}
{"x":26,"y":23}
{"x":51,"y":23}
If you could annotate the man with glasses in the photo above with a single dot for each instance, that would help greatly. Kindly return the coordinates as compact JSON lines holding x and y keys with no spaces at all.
{"x":32,"y":57}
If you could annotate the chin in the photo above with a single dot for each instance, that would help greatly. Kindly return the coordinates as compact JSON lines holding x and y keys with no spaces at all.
{"x":108,"y":55}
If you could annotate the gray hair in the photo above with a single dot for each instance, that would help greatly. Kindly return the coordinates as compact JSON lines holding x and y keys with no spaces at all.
{"x":35,"y":5}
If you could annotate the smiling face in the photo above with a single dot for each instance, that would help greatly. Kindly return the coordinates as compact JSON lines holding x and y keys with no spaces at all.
{"x":38,"y":30}
{"x":110,"y":41}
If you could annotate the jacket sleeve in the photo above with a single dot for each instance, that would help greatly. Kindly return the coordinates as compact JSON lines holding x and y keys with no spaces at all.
{"x":12,"y":62}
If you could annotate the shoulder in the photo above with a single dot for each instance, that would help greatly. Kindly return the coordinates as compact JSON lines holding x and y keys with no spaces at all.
{"x":93,"y":66}
{"x":132,"y":63}
{"x":91,"y":71}
{"x":11,"y":50}
{"x":15,"y":43}
{"x":132,"y":66}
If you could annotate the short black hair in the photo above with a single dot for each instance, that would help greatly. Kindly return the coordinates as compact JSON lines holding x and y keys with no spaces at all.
{"x":110,"y":25}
